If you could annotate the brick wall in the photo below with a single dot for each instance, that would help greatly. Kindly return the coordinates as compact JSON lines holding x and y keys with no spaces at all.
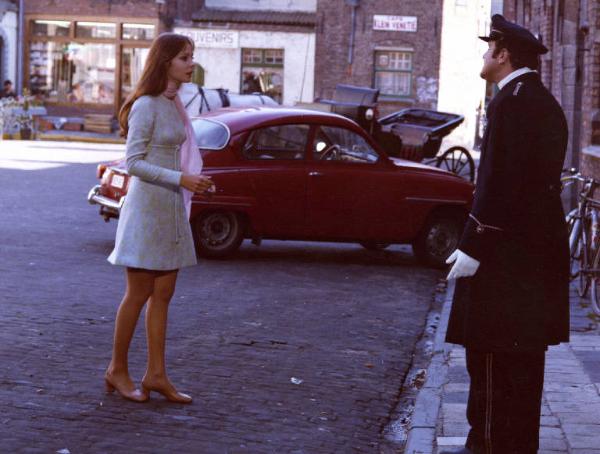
{"x":333,"y":40}
{"x":123,"y":8}
{"x":574,"y":56}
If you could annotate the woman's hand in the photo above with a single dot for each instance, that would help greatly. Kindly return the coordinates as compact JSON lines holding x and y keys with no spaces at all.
{"x":196,"y":183}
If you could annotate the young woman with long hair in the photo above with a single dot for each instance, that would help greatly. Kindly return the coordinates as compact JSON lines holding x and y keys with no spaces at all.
{"x":154,"y":237}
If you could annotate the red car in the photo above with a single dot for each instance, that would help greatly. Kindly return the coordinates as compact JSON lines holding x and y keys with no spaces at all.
{"x":294,"y":174}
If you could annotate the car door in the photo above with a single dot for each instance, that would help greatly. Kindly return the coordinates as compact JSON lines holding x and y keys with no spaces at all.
{"x":353,"y":192}
{"x":276,"y":167}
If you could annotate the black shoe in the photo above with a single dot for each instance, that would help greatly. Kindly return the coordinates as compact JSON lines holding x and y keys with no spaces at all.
{"x":460,"y":451}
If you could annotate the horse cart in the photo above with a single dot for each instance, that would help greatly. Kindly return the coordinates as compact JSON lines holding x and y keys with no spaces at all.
{"x":414,"y":134}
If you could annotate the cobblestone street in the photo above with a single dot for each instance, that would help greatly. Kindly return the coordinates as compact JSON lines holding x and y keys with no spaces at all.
{"x":286,"y":348}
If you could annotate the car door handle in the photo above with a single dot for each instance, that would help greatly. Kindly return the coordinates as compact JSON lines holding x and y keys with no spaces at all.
{"x":315,"y":174}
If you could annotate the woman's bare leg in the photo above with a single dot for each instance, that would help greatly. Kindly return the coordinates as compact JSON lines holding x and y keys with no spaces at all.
{"x":140,"y":285}
{"x":156,"y":378}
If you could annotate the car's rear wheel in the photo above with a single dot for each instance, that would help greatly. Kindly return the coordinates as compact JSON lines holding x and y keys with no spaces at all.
{"x":438,"y":239}
{"x":218,"y":234}
{"x":374,"y":245}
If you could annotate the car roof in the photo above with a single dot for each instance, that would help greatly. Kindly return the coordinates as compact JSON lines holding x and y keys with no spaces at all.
{"x":239,"y":119}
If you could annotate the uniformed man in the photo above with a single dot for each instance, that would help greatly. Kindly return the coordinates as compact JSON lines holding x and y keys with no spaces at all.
{"x":512,"y":298}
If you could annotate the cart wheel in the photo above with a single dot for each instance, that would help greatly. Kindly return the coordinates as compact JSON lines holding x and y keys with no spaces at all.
{"x":459,"y":161}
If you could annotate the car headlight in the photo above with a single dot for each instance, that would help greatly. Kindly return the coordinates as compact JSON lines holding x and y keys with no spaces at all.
{"x":369,"y":114}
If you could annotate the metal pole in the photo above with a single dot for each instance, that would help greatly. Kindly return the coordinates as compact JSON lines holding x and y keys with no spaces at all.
{"x":20,"y":47}
{"x":354,"y":4}
{"x":352,"y":32}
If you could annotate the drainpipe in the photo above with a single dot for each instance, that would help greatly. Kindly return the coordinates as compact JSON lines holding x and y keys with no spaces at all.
{"x":582,"y":31}
{"x":354,"y":4}
{"x":20,"y":47}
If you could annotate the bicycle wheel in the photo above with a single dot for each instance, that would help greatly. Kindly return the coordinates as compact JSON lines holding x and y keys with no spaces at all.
{"x":584,"y":261}
{"x":595,"y":284}
{"x":575,"y":246}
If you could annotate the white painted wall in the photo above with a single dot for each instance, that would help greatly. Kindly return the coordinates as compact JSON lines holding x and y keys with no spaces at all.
{"x":223,"y":66}
{"x":264,"y":5}
{"x":8,"y":32}
{"x":462,"y":90}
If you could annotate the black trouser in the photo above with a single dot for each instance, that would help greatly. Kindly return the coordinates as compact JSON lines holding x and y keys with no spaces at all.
{"x":505,"y":401}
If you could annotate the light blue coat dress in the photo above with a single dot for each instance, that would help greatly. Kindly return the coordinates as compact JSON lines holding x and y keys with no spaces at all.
{"x":154,"y":232}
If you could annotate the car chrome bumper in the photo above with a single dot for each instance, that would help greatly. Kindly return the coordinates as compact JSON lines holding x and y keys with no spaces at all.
{"x":107,"y":206}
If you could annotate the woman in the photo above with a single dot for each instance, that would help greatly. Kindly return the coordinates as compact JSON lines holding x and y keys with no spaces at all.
{"x":154,"y":238}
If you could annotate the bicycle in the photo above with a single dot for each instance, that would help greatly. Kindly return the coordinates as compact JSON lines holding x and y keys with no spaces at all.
{"x":584,"y":238}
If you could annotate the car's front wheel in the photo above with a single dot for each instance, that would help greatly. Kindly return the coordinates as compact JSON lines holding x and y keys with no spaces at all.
{"x":218,"y":234}
{"x":438,"y":239}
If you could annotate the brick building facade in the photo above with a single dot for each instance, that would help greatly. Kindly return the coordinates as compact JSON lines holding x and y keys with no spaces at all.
{"x":84,"y":55}
{"x":571,"y":69}
{"x":400,"y":57}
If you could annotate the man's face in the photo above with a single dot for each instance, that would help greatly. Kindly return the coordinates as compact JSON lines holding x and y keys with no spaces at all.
{"x":8,"y":87}
{"x":491,"y":65}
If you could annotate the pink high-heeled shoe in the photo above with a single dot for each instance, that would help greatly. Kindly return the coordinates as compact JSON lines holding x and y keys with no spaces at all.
{"x":136,"y":395}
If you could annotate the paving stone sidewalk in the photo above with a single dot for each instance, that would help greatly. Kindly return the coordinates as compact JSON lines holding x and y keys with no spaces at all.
{"x":570,"y":420}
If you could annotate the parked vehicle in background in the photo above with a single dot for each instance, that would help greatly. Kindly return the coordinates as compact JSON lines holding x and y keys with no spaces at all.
{"x":414,"y":134}
{"x":294,"y":174}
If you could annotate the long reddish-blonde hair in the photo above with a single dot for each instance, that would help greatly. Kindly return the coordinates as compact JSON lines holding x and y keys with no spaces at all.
{"x":154,"y":76}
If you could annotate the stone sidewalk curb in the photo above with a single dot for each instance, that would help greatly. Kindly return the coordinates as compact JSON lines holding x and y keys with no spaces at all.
{"x":80,"y":138}
{"x":422,"y":433}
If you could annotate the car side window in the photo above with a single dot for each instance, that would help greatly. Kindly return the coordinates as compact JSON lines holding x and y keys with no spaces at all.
{"x":277,"y":142}
{"x":341,"y":144}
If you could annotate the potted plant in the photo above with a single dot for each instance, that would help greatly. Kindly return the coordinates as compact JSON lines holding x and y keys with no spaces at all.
{"x":17,"y":117}
{"x":25,"y":124}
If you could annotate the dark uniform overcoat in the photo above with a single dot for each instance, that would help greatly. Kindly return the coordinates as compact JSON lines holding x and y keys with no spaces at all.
{"x":519,"y":297}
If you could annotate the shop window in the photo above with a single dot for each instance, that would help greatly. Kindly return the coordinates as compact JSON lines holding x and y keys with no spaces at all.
{"x":72,"y":72}
{"x":393,"y":72}
{"x":138,"y":31}
{"x":74,"y":61}
{"x":262,"y":72}
{"x":50,"y":28}
{"x":95,"y":30}
{"x":132,"y":65}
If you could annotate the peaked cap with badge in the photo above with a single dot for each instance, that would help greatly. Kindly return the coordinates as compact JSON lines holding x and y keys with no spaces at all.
{"x":514,"y":35}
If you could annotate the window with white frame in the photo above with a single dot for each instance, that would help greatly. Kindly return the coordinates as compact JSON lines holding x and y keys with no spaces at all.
{"x":393,"y":72}
{"x":262,"y":72}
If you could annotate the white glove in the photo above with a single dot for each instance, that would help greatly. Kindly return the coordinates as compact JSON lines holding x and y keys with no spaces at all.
{"x":464,"y":265}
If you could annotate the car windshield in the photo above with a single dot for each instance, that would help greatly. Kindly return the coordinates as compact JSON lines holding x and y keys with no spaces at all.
{"x":210,"y":134}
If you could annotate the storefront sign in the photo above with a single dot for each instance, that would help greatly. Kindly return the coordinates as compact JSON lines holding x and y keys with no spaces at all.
{"x":224,"y":39}
{"x":395,"y":23}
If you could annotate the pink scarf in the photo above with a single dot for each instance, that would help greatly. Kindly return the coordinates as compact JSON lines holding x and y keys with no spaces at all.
{"x":191,"y":160}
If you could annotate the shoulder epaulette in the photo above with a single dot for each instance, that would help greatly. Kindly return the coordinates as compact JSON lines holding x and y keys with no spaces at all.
{"x":517,"y":88}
